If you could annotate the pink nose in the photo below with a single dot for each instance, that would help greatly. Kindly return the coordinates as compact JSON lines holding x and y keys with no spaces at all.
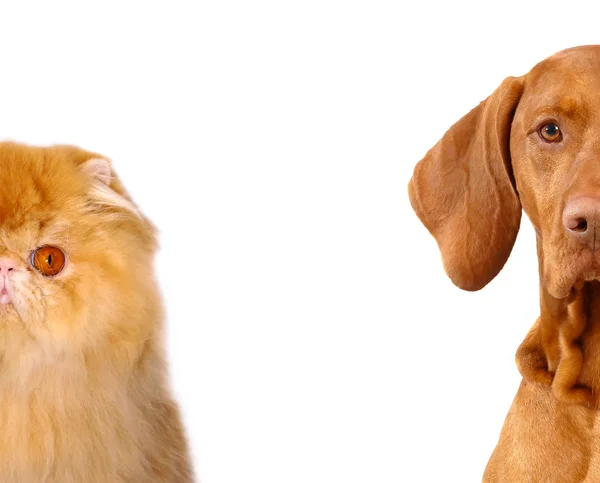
{"x":6,"y":265}
{"x":581,"y":218}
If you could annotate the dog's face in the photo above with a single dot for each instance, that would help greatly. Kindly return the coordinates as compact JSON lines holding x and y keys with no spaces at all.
{"x":533,"y":144}
{"x":555,"y":153}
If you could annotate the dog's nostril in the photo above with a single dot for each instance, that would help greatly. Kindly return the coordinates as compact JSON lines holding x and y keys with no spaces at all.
{"x":579,"y":225}
{"x":581,"y":220}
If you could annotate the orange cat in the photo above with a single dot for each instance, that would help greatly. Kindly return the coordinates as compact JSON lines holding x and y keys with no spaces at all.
{"x":83,"y":387}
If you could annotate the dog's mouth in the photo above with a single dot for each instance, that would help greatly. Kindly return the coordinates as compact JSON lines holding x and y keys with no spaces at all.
{"x":591,"y":275}
{"x":581,"y":267}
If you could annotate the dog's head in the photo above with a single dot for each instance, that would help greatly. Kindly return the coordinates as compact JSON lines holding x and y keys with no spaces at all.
{"x":534,"y":144}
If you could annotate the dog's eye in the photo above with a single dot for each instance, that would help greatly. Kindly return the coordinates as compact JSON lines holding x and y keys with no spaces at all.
{"x":48,"y":260}
{"x":550,"y":132}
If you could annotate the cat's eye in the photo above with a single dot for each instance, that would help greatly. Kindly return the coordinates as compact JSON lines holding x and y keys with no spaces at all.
{"x":550,"y":132}
{"x":48,"y":260}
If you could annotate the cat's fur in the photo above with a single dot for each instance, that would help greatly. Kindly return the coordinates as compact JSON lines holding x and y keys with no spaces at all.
{"x":84,"y":394}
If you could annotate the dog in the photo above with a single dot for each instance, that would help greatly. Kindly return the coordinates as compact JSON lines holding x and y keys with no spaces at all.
{"x":533,"y":145}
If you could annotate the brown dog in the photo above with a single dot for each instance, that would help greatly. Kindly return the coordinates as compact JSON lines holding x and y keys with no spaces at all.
{"x":534,"y":144}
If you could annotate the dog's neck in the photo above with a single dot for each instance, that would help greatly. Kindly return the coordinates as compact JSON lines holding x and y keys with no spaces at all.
{"x":562,"y":350}
{"x":589,"y":339}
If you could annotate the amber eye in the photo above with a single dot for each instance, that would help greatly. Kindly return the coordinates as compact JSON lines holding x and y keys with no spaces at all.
{"x":550,"y":132}
{"x":48,"y":260}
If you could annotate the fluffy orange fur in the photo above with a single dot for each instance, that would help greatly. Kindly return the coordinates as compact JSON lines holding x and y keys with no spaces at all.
{"x":84,"y":392}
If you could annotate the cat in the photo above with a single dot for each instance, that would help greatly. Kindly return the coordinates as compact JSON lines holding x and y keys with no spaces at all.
{"x":84,"y":393}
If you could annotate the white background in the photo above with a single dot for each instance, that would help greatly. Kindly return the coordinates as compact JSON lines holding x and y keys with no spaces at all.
{"x":312,"y":333}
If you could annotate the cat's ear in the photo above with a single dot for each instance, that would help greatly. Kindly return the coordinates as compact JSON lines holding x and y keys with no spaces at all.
{"x":105,"y":189}
{"x":98,"y":169}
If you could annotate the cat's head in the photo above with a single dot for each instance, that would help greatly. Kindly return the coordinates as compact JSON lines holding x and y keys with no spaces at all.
{"x":76,"y":254}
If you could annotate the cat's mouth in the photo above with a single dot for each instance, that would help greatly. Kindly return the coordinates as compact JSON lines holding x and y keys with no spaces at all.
{"x":5,"y":297}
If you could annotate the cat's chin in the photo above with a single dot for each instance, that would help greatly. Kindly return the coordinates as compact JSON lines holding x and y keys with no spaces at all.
{"x":7,"y":310}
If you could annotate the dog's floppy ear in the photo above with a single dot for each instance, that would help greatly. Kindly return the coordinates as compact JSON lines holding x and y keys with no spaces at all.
{"x":463,"y":190}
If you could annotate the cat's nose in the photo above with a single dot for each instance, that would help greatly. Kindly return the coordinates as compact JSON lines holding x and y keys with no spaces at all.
{"x":7,"y":265}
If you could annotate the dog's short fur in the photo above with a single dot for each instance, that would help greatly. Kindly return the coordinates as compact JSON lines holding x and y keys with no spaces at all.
{"x":469,"y":192}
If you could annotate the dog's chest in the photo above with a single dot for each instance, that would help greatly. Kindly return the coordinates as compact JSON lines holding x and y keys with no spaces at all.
{"x":593,"y":470}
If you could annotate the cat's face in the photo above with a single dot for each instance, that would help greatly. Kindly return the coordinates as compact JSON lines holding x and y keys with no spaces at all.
{"x":75,"y":254}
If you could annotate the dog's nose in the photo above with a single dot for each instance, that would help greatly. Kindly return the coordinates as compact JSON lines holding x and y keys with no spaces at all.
{"x":581,"y":218}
